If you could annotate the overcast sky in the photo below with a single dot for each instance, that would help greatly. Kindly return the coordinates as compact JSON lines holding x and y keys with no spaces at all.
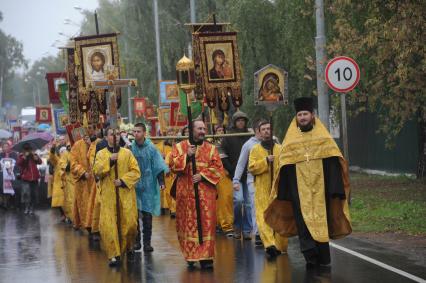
{"x":37,"y":23}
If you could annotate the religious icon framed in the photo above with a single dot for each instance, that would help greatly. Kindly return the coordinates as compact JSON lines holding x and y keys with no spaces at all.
{"x":164,"y":117}
{"x":221,"y":71}
{"x":94,"y":54}
{"x":53,"y":82}
{"x":97,"y":57}
{"x":271,"y":86}
{"x":177,"y":119}
{"x":167,"y":92}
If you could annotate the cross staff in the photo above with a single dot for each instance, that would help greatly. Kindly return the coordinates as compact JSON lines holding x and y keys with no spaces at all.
{"x":111,"y":85}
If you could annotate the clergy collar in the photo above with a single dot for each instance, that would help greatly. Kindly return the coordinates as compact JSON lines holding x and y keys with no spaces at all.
{"x":198,"y":142}
{"x":117,"y":149}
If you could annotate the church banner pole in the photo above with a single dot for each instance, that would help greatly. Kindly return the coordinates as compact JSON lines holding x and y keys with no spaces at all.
{"x":271,"y":151}
{"x":194,"y":170}
{"x":185,"y":72}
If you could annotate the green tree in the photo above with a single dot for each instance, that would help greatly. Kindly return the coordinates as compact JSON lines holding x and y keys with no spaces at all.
{"x":11,"y":57}
{"x":387,"y":39}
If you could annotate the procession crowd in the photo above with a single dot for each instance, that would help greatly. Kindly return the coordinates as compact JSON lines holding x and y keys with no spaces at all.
{"x":244,"y":186}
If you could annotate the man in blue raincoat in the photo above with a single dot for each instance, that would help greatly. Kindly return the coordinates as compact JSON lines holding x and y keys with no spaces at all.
{"x":152,"y":167}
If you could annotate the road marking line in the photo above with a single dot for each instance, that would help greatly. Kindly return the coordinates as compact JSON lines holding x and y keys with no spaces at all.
{"x":379,"y":263}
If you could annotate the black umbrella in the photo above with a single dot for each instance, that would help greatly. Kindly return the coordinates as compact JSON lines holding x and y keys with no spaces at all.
{"x":36,"y":141}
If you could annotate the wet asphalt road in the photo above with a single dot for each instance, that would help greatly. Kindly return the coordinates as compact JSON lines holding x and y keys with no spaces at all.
{"x":39,"y":249}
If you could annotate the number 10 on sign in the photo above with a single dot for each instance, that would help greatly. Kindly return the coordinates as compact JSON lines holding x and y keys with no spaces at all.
{"x":342,"y":74}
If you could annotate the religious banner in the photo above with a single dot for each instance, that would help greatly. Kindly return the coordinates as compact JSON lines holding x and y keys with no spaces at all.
{"x":53,"y":82}
{"x":63,"y":96}
{"x":167,"y":93}
{"x":61,"y":120}
{"x":149,"y":111}
{"x":43,"y":114}
{"x":72,"y":86}
{"x":75,"y":132}
{"x":17,"y":134}
{"x":95,"y":55}
{"x":7,"y":166}
{"x":177,"y":119}
{"x":139,"y":106}
{"x":220,"y":68}
{"x":164,"y":119}
{"x":271,"y":87}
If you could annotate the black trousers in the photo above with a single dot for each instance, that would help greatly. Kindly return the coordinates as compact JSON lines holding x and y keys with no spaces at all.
{"x":313,"y":251}
{"x":146,"y":228}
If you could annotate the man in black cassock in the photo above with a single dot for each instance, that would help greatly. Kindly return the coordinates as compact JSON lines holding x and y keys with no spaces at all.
{"x":312,"y":188}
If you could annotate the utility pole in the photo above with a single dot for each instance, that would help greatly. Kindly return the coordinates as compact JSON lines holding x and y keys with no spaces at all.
{"x":192,"y":8}
{"x":323,"y":99}
{"x":157,"y":40}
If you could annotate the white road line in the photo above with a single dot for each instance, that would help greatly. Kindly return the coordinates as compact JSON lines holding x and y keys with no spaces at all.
{"x":379,"y":263}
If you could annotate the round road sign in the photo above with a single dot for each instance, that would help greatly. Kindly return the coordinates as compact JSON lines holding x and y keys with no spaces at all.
{"x":342,"y":74}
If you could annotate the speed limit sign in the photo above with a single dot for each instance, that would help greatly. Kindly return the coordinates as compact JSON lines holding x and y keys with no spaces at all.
{"x":342,"y":74}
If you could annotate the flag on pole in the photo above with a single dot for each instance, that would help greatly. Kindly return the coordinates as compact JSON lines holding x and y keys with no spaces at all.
{"x":61,"y":120}
{"x":63,"y":89}
{"x":196,"y":106}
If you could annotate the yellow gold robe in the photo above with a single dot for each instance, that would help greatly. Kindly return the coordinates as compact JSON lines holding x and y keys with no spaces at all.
{"x":93,"y":208}
{"x":306,"y":150}
{"x":58,"y":183}
{"x":80,"y":166}
{"x":129,"y":173}
{"x":53,"y":160}
{"x":169,"y":179}
{"x":163,"y":194}
{"x":225,"y":203}
{"x":261,"y":170}
{"x":68,"y":187}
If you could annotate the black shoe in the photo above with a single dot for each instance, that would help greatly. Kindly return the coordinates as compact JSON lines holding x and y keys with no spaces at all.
{"x":130,"y":255}
{"x":172,"y":215}
{"x":258,"y":241}
{"x":206,"y":264}
{"x":190,"y":264}
{"x":96,"y":237}
{"x":148,"y":248}
{"x":272,"y":252}
{"x":137,"y":246}
{"x":115,"y":261}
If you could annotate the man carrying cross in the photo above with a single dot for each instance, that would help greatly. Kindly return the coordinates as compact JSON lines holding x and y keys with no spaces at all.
{"x":312,"y":187}
{"x":209,"y":170}
{"x":118,"y":173}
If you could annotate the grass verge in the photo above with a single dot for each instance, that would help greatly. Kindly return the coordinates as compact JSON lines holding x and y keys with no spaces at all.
{"x":388,"y":204}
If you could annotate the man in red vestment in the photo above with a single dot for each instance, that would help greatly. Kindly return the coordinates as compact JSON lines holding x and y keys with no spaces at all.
{"x":209,"y":171}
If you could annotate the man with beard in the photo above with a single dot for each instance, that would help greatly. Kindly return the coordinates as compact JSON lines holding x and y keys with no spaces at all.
{"x":231,"y":147}
{"x":152,"y":167}
{"x":83,"y":179}
{"x":262,"y":162}
{"x":312,"y":187}
{"x":209,"y":171}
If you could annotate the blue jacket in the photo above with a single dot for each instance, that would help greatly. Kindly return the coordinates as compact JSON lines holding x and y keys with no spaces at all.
{"x":152,"y":165}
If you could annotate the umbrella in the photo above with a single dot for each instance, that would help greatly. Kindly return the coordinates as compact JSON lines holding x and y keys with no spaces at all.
{"x":5,"y":134}
{"x":36,"y":140}
{"x":43,"y":127}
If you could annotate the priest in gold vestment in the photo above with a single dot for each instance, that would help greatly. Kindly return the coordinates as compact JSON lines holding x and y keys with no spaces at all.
{"x":261,"y":161}
{"x":311,"y":187}
{"x":83,"y":178}
{"x":118,"y":227}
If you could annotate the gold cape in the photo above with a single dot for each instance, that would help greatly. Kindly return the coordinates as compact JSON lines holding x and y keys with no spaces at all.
{"x":306,"y":150}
